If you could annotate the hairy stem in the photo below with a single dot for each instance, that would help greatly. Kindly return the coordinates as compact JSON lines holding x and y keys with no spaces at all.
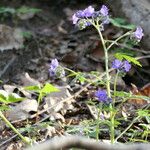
{"x":13,"y":128}
{"x":106,"y":62}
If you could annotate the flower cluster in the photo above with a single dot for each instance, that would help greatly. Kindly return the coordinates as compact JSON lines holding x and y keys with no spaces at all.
{"x":138,"y":34}
{"x":88,"y":16}
{"x":55,"y":69}
{"x":102,"y":96}
{"x":121,"y":65}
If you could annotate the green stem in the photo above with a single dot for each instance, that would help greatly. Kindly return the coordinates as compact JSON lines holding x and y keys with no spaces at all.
{"x":70,"y":70}
{"x":97,"y":126}
{"x":112,"y":116}
{"x":106,"y":61}
{"x":39,"y":98}
{"x":112,"y":126}
{"x":97,"y":26}
{"x":14,"y":129}
{"x":115,"y":85}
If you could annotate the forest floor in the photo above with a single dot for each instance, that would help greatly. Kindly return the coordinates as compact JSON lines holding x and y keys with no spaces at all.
{"x":50,"y":34}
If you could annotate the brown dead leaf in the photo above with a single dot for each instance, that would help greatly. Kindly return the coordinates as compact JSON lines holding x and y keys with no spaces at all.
{"x":21,"y":110}
{"x":50,"y":131}
{"x":70,"y":58}
{"x":9,"y":88}
{"x":144,"y":91}
{"x":28,"y":81}
{"x":10,"y":38}
{"x":15,"y":146}
{"x":54,"y":98}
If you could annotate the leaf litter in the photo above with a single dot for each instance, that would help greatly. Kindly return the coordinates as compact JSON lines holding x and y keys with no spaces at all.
{"x":74,"y":110}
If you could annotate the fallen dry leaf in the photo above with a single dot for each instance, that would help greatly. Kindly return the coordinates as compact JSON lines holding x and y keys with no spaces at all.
{"x":55,"y":98}
{"x":9,"y":88}
{"x":28,"y":81}
{"x":15,"y":146}
{"x":10,"y":38}
{"x":21,"y":110}
{"x":50,"y":131}
{"x":144,"y":91}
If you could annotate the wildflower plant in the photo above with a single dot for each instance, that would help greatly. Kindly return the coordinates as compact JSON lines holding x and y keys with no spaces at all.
{"x":122,"y":64}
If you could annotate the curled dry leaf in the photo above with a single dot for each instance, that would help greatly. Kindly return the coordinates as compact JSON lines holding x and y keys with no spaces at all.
{"x":21,"y":111}
{"x":10,"y":38}
{"x":55,"y":99}
{"x":9,"y":88}
{"x":144,"y":91}
{"x":15,"y":146}
{"x":50,"y":131}
{"x":28,"y":81}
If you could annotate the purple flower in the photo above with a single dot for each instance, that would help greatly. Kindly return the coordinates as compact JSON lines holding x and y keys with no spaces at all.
{"x":102,"y":96}
{"x":80,"y":14}
{"x":138,"y":34}
{"x":80,"y":18}
{"x":104,"y":10}
{"x":53,"y":67}
{"x":75,"y":19}
{"x":126,"y":66}
{"x":122,"y":66}
{"x":88,"y":12}
{"x":116,"y":64}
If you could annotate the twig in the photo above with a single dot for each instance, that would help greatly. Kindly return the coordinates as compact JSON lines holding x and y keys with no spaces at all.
{"x":64,"y":143}
{"x":7,"y":65}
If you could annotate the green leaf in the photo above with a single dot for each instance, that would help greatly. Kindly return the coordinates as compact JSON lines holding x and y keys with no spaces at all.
{"x":9,"y":98}
{"x":33,"y":88}
{"x":7,"y":10}
{"x":3,"y":96}
{"x":121,"y":56}
{"x":121,"y":23}
{"x":49,"y":88}
{"x":143,"y":113}
{"x":122,"y":94}
{"x":13,"y":97}
{"x":25,"y":9}
{"x":4,"y":107}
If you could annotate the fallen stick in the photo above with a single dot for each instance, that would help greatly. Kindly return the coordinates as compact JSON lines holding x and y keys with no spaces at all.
{"x":64,"y":143}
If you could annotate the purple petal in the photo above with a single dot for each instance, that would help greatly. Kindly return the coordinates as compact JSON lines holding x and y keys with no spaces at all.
{"x":126,"y":66}
{"x":138,"y":34}
{"x":116,"y":64}
{"x":53,"y":66}
{"x":75,"y":19}
{"x":80,"y":14}
{"x":101,"y":95}
{"x":104,"y":10}
{"x":88,"y":12}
